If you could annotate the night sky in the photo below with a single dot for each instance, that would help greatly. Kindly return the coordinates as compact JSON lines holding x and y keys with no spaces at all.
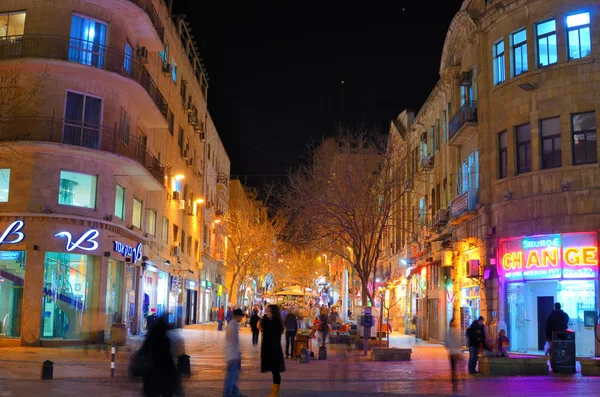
{"x":276,"y":68}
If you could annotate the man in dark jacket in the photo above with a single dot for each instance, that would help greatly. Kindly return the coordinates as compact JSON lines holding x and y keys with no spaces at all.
{"x":254,"y":320}
{"x":557,"y":321}
{"x":476,"y":337}
{"x":291,"y":327}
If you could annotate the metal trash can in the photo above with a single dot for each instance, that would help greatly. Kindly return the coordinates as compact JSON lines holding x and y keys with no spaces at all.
{"x":562,"y":352}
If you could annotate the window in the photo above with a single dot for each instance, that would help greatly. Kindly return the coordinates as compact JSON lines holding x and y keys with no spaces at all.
{"x":463,"y":95}
{"x":77,"y":190}
{"x":124,"y":131}
{"x":503,"y":154}
{"x":523,"y":134}
{"x":499,"y":71}
{"x":432,"y":137}
{"x":437,"y":133}
{"x":136,"y":218}
{"x":519,"y":41}
{"x":547,"y":52}
{"x":183,"y":241}
{"x":174,"y":72}
{"x":152,"y":223}
{"x":584,"y":138}
{"x":13,"y":264}
{"x":87,"y":41}
{"x":170,"y":121}
{"x":120,"y":202}
{"x":423,"y":210}
{"x":4,"y":184}
{"x":579,"y":41}
{"x":189,"y":245}
{"x":128,"y":61}
{"x":180,"y":138}
{"x":164,"y":54}
{"x":468,"y":177}
{"x":423,"y":145}
{"x":183,"y":91}
{"x":12,"y":24}
{"x":444,"y":125}
{"x":550,"y":134}
{"x":83,"y":116}
{"x":165,"y":231}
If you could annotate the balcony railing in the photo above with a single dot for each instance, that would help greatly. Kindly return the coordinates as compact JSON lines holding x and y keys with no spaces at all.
{"x":466,"y":114}
{"x":148,"y":7}
{"x":78,"y":133}
{"x":464,"y":202}
{"x":84,"y":52}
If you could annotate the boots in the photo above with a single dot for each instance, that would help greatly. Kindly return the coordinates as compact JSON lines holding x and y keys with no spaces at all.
{"x":275,"y":391}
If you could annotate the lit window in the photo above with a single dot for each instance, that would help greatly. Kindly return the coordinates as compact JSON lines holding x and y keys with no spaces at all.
{"x":136,"y":218}
{"x":523,"y":149}
{"x":578,"y":35}
{"x":152,"y":222}
{"x":174,"y":72}
{"x":550,"y":135}
{"x":120,"y":202}
{"x":503,"y":154}
{"x":519,"y":40}
{"x":164,"y":54}
{"x":88,"y":38}
{"x":546,"y":41}
{"x":499,"y":71}
{"x":584,"y":138}
{"x":165,"y":231}
{"x":128,"y":61}
{"x":468,"y":178}
{"x":76,"y":189}
{"x":4,"y":184}
{"x":12,"y":24}
{"x":422,"y":211}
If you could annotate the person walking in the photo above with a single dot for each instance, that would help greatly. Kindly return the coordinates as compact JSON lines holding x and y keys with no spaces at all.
{"x":254,"y":320}
{"x":557,"y":321}
{"x":291,"y":327}
{"x":453,"y":344}
{"x":229,"y":315}
{"x":283,"y":313}
{"x":220,"y":318}
{"x":476,"y":336}
{"x":232,"y":355}
{"x":271,"y":353}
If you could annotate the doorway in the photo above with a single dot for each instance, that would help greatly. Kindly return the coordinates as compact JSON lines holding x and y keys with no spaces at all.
{"x":545,"y":305}
{"x":190,"y":314}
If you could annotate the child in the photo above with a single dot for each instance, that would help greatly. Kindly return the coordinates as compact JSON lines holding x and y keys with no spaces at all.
{"x":502,"y":344}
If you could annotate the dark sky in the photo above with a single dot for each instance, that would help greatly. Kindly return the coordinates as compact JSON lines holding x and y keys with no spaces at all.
{"x":276,"y":68}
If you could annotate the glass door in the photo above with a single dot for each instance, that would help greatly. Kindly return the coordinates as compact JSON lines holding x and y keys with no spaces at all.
{"x":517,"y":317}
{"x":578,"y":297}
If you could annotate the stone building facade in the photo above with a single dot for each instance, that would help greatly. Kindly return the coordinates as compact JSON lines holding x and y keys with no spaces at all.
{"x":104,"y":140}
{"x":514,"y":223}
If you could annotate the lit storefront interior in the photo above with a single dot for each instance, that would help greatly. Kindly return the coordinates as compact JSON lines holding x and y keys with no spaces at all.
{"x":12,"y":277}
{"x":544,"y":269}
{"x":114,"y":295}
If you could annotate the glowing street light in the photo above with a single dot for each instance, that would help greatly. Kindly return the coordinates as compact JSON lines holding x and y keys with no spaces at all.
{"x":199,"y":201}
{"x":179,"y":177}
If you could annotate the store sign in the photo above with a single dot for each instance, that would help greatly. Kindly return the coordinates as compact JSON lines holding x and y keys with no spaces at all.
{"x":460,"y":204}
{"x":13,"y":231}
{"x":551,"y":256}
{"x":190,"y":284}
{"x":88,"y":239}
{"x":134,"y":253}
{"x":175,"y":284}
{"x":202,"y":283}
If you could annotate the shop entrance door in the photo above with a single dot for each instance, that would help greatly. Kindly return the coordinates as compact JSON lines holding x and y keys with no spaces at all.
{"x":545,"y":305}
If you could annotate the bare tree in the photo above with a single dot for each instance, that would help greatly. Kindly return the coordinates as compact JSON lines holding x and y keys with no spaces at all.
{"x":17,"y":90}
{"x":297,"y":266}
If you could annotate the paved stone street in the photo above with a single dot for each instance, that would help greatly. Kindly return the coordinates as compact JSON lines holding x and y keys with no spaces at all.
{"x":86,"y":371}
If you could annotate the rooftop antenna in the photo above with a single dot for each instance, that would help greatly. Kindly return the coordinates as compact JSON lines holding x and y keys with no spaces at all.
{"x":342,"y":108}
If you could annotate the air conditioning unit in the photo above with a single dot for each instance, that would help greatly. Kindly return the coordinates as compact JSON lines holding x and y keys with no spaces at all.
{"x":176,"y":250}
{"x":142,"y":54}
{"x":441,"y":217}
{"x":167,"y":69}
{"x":182,"y":204}
{"x":473,"y":268}
{"x":175,"y":195}
{"x":426,"y":162}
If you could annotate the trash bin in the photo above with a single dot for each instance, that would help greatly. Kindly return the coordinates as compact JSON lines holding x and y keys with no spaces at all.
{"x":118,"y":334}
{"x":563,"y":352}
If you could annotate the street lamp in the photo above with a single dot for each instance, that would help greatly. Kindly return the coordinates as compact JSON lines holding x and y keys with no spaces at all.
{"x":179,"y":177}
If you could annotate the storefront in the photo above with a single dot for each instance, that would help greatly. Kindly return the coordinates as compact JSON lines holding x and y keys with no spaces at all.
{"x":541,"y":270}
{"x":191,"y":297}
{"x":12,"y":278}
{"x":175,"y":308}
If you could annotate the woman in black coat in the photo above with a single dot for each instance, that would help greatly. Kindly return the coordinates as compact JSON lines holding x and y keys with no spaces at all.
{"x":271,"y":352}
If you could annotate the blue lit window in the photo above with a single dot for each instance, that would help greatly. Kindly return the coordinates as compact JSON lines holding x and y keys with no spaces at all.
{"x":164,"y":54}
{"x":547,"y":52}
{"x":4,"y":184}
{"x":519,"y":40}
{"x":174,"y":71}
{"x":499,"y":71}
{"x":578,"y":35}
{"x":128,"y":61}
{"x":87,"y":41}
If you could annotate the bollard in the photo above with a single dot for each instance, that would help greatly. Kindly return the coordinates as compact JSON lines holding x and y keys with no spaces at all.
{"x":113,"y":351}
{"x":47,"y":370}
{"x":183,"y":364}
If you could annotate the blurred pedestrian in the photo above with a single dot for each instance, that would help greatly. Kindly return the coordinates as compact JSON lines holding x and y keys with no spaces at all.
{"x":229,"y":315}
{"x":254,"y":321}
{"x":221,"y":318}
{"x":283,"y":313}
{"x":233,"y":355}
{"x":453,"y":344}
{"x":291,"y":327}
{"x":271,"y":353}
{"x":476,"y":337}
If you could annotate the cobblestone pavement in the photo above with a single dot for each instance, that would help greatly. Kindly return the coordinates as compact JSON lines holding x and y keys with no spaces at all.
{"x":86,"y":372}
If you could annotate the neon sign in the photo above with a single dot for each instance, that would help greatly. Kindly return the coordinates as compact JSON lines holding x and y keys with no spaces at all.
{"x":126,"y":250}
{"x":13,"y":230}
{"x":87,"y":237}
{"x":552,"y":256}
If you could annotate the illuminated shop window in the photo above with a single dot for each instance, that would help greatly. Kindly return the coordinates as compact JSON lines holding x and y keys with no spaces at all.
{"x":12,"y":279}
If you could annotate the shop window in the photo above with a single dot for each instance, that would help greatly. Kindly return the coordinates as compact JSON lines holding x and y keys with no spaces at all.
{"x":12,"y":278}
{"x":152,"y":223}
{"x":88,"y":38}
{"x":67,"y":296}
{"x":165,"y":231}
{"x":550,"y":135}
{"x":114,"y":295}
{"x":547,"y":50}
{"x":499,"y":68}
{"x":136,"y":218}
{"x":519,"y":42}
{"x":502,"y":155}
{"x":523,"y":135}
{"x":130,"y":295}
{"x":584,"y":138}
{"x":77,"y":190}
{"x":579,"y":40}
{"x":120,"y":202}
{"x":12,"y":23}
{"x":4,"y":184}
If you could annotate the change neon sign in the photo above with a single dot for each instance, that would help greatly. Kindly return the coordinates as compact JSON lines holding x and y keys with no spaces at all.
{"x":551,"y":256}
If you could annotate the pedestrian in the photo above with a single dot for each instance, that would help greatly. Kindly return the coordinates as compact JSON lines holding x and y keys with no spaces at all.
{"x":476,"y":337}
{"x":254,"y":321}
{"x":502,"y":344}
{"x":161,"y":379}
{"x":221,"y":317}
{"x":229,"y":315}
{"x":291,"y":327}
{"x":283,"y":313}
{"x":453,"y":344}
{"x":233,"y":355}
{"x":558,"y":321}
{"x":271,"y":353}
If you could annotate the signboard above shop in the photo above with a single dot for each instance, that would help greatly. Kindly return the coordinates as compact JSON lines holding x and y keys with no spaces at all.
{"x":549,"y":256}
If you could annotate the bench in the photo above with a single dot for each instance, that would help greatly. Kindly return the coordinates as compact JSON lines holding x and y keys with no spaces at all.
{"x":514,"y":365}
{"x":390,"y":354}
{"x":590,"y":366}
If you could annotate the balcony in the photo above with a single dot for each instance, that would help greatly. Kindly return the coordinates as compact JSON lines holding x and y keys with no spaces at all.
{"x":463,"y":125}
{"x":98,"y":139}
{"x":463,"y":206}
{"x":81,"y":55}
